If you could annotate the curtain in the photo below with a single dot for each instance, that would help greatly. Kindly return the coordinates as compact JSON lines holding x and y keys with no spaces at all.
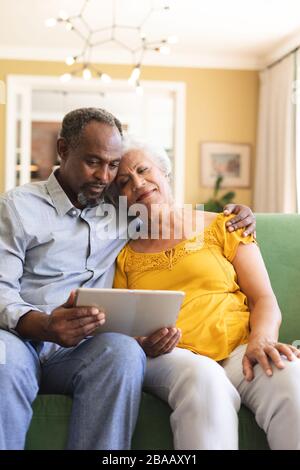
{"x":275,"y":176}
{"x":297,"y":104}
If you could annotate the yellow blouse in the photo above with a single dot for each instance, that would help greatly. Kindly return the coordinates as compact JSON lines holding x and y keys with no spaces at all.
{"x":214,"y":317}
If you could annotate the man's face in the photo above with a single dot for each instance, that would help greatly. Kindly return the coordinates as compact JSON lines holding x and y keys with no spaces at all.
{"x":87,"y":169}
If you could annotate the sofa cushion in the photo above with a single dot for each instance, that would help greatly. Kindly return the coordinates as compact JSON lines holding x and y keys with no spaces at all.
{"x":278,"y":236}
{"x":51,"y":413}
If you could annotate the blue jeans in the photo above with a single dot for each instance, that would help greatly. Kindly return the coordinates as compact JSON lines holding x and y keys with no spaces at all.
{"x":104,"y":375}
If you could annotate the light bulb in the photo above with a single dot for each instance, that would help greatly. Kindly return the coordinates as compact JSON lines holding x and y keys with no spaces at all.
{"x":70,"y":60}
{"x":63,"y":15}
{"x":105,"y":78}
{"x":50,"y":22}
{"x":131,"y":82}
{"x":69,"y":26}
{"x":135,"y":74}
{"x":87,"y":74}
{"x":66,"y":77}
{"x":164,"y":49}
{"x":172,"y":40}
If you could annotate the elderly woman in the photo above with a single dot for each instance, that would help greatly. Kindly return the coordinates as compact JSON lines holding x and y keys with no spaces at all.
{"x":225,"y":347}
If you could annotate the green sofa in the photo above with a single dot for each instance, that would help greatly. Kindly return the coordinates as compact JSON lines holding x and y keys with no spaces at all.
{"x":279,"y":240}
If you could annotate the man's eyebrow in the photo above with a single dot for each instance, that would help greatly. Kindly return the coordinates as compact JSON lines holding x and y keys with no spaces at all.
{"x":104,"y":159}
{"x":91,"y":155}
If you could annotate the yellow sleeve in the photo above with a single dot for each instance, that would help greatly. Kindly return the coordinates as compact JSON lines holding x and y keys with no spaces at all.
{"x":229,"y":241}
{"x":120,"y":279}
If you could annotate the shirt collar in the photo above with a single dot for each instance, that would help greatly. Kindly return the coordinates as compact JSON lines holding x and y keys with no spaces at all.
{"x":59,"y":198}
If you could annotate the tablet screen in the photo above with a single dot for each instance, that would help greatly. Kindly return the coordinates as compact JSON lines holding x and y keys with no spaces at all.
{"x":133,"y":312}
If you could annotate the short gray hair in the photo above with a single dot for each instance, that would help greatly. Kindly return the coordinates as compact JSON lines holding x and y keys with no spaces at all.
{"x":75,"y":121}
{"x":156,"y":153}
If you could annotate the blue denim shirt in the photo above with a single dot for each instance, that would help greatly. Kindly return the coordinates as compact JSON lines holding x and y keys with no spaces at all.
{"x":48,"y":247}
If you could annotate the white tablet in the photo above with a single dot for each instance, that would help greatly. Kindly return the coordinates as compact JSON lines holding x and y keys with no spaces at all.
{"x":133,"y":312}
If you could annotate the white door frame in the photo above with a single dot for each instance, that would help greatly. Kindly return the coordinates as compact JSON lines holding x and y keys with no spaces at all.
{"x":26,"y":84}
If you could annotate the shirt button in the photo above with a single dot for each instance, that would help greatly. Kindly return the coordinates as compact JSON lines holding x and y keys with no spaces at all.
{"x":73,"y":212}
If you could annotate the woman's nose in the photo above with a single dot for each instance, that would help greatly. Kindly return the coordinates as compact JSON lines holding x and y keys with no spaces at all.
{"x":138,"y":182}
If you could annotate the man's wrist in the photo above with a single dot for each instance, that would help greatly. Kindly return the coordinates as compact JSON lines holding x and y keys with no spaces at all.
{"x":34,"y":325}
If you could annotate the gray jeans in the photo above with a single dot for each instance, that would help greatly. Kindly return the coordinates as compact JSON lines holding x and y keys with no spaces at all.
{"x":205,"y":397}
{"x":104,"y":375}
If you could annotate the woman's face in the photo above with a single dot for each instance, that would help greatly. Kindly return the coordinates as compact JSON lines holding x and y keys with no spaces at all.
{"x":140,"y":179}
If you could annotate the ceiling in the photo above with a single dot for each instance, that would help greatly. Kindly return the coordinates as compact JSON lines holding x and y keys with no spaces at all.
{"x":212,"y":33}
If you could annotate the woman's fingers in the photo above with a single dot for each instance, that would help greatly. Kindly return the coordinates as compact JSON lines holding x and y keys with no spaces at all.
{"x":276,"y":351}
{"x":273,"y":354}
{"x":289,"y":351}
{"x":262,"y":358}
{"x":247,"y":369}
{"x":270,"y":353}
{"x":295,"y":350}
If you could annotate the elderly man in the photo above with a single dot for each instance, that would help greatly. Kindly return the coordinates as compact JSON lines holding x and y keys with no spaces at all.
{"x":49,"y":247}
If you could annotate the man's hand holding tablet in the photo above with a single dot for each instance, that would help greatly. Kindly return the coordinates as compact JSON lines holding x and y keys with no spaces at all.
{"x":147,"y":314}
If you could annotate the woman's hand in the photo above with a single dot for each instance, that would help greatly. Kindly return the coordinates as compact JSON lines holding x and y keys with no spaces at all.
{"x":244,"y":218}
{"x":263,"y":351}
{"x":161,"y":342}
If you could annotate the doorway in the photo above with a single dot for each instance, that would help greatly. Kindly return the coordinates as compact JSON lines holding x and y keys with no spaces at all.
{"x":37,"y":104}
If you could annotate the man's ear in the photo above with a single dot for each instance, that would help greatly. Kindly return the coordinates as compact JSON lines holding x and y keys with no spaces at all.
{"x":62,"y":148}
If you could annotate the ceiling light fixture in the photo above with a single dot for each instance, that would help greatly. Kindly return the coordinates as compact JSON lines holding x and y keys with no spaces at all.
{"x":80,"y":25}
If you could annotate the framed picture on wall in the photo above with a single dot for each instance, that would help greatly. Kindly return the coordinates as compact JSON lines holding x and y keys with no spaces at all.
{"x":232,"y":161}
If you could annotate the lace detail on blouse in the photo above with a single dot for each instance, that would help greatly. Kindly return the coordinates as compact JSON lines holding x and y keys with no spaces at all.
{"x":140,"y":262}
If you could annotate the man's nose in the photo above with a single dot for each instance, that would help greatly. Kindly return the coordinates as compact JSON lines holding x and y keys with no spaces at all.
{"x":102,"y":174}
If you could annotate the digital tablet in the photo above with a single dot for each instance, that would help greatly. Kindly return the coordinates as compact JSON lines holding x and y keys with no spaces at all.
{"x":133,"y":312}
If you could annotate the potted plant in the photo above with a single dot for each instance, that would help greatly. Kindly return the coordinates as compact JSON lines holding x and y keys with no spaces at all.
{"x":216,"y":204}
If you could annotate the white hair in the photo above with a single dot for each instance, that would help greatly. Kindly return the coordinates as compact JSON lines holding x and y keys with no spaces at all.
{"x":156,"y":153}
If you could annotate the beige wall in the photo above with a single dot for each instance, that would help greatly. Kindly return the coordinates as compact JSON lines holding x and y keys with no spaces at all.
{"x":221,"y":105}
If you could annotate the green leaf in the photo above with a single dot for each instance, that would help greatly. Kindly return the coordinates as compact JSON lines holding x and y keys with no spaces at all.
{"x":215,"y":204}
{"x":218,"y":185}
{"x":228,"y":197}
